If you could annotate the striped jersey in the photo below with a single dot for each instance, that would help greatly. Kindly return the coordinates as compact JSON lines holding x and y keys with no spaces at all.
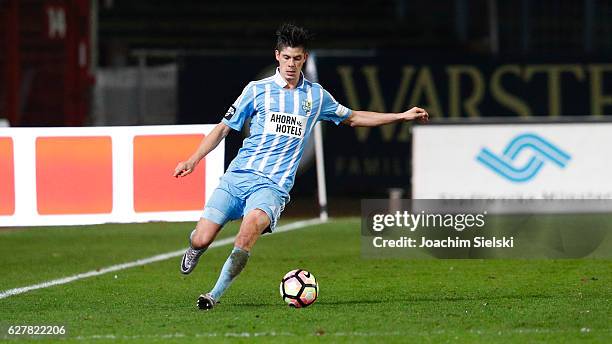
{"x":281,"y":121}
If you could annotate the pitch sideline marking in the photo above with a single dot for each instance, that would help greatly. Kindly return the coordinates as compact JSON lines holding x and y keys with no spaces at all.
{"x":144,"y":261}
{"x":519,"y":331}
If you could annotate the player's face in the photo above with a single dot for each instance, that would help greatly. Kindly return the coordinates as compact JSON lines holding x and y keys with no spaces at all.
{"x":291,"y":60}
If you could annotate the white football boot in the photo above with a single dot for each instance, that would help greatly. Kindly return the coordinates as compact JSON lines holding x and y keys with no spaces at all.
{"x":190,"y":258}
{"x":206,"y":302}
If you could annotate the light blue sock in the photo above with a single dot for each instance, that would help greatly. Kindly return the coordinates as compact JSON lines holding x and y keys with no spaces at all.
{"x":233,"y":266}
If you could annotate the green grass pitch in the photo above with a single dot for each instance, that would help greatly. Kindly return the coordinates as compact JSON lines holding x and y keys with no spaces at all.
{"x":360,"y":300}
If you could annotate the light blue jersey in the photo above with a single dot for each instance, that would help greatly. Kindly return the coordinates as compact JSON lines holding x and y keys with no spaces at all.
{"x":281,"y":123}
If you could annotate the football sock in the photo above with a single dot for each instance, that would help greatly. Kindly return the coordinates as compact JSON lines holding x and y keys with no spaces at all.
{"x":233,"y":266}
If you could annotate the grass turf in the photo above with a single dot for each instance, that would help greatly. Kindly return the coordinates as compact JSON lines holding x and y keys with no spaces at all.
{"x":360,"y":300}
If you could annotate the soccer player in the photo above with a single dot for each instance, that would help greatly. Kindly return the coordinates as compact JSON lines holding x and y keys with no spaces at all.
{"x":283,"y":110}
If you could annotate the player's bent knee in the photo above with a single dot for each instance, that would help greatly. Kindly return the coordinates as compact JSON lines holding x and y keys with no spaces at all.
{"x":251,"y":228}
{"x":205,"y":234}
{"x":201,"y":241}
{"x":258,"y":219}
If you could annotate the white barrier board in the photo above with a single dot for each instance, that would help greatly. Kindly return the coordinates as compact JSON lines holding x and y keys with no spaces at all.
{"x":88,"y":175}
{"x":512,"y":161}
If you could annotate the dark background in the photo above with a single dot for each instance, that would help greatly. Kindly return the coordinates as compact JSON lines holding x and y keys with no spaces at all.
{"x":219,"y":46}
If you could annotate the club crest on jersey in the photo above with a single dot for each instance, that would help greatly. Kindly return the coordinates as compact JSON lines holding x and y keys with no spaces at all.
{"x":230,"y":113}
{"x":307,"y":106}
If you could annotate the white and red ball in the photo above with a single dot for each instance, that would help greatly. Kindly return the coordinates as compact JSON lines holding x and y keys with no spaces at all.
{"x":299,"y":288}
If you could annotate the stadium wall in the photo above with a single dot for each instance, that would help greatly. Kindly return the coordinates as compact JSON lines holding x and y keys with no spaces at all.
{"x":70,"y":176}
{"x":45,"y":43}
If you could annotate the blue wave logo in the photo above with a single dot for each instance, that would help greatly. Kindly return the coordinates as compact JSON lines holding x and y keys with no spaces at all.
{"x":542,"y":151}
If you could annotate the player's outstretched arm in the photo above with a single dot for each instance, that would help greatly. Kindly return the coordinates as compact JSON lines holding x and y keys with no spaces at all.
{"x":374,"y":119}
{"x":206,"y":146}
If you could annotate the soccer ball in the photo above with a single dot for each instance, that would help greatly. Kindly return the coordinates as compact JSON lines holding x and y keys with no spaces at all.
{"x":299,"y":288}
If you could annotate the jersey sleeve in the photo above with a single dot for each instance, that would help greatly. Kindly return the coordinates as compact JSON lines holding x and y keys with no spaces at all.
{"x":333,"y":111}
{"x":241,"y":109}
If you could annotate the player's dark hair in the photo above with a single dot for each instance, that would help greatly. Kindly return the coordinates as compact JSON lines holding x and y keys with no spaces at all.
{"x":291,"y":35}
